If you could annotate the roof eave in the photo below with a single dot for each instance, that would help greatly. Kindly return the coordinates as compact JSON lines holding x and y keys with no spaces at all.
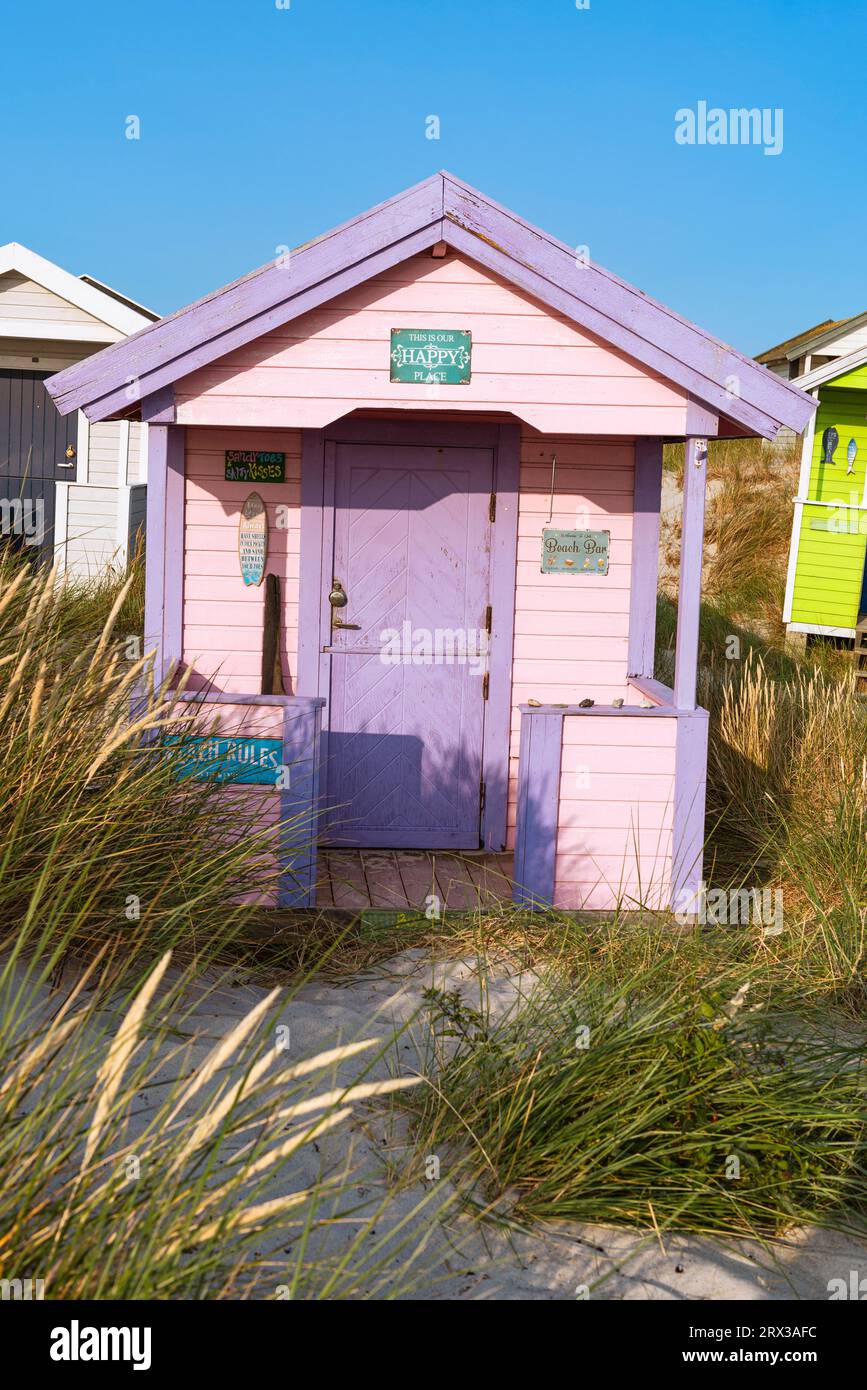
{"x":101,"y":304}
{"x":440,"y":208}
{"x":821,"y":376}
{"x":824,"y":339}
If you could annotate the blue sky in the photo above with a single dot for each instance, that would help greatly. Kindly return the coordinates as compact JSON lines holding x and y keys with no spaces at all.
{"x":263,"y":126}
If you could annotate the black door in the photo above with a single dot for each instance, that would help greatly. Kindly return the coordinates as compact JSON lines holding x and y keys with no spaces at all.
{"x":34,"y":439}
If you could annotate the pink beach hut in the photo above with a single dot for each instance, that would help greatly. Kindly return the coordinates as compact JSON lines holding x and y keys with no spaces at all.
{"x":402,"y":533}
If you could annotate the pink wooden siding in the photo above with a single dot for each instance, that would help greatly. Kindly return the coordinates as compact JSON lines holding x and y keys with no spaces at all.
{"x":222,"y":630}
{"x":250,"y":808}
{"x":616,"y":812}
{"x":526,"y":359}
{"x":571,"y":631}
{"x":236,"y":721}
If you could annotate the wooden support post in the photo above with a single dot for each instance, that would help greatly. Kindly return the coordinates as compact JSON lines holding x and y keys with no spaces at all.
{"x":538,"y":807}
{"x":690,"y":789}
{"x":164,"y":547}
{"x":689,"y":591}
{"x":645,"y":557}
{"x":299,"y":801}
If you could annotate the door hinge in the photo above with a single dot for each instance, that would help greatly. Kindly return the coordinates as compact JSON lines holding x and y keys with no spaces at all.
{"x":489,"y":619}
{"x":486,"y":686}
{"x":482,"y":792}
{"x":492,"y":507}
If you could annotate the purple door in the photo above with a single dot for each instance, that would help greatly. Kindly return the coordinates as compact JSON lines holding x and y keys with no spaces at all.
{"x":408,"y":664}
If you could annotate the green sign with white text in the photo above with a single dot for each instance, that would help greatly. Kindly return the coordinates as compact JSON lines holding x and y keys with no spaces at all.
{"x":431,"y":356}
{"x":575,"y":552}
{"x":248,"y":761}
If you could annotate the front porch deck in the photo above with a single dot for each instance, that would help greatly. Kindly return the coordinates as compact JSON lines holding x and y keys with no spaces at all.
{"x":407,"y":879}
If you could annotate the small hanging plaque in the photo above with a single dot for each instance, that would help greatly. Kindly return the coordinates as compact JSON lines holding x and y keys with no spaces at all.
{"x":575,"y":552}
{"x":253,"y":539}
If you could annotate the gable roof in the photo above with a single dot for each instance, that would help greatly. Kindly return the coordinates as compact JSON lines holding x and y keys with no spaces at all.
{"x":121,"y":298}
{"x":813,"y":337}
{"x":781,"y":349}
{"x":442,"y":208}
{"x":838,"y":330}
{"x":831,"y":370}
{"x":103,"y":304}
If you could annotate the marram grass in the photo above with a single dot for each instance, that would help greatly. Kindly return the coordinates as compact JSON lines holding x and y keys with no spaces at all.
{"x":129,"y":1172}
{"x":653,"y":1103}
{"x":102,"y":845}
{"x":132,"y":1166}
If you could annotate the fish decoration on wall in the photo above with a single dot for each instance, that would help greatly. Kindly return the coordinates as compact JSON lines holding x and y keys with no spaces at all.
{"x":851,"y":455}
{"x":830,"y":440}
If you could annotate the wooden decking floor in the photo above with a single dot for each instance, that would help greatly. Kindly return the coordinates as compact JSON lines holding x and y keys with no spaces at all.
{"x":405,"y":879}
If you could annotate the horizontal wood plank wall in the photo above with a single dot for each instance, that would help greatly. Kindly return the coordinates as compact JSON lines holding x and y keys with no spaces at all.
{"x":222,"y":637}
{"x":136,"y":449}
{"x":249,"y":809}
{"x":91,"y":529}
{"x":571,"y":631}
{"x":103,"y":451}
{"x":526,"y":359}
{"x":830,"y":562}
{"x":289,"y":858}
{"x":614,"y":840}
{"x":22,"y":300}
{"x":38,"y":354}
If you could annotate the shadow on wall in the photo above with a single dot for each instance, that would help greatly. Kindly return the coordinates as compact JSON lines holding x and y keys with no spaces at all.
{"x":399,"y":806}
{"x":400,"y":791}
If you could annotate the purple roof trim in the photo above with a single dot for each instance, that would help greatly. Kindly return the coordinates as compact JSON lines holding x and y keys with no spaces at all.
{"x":442,"y":208}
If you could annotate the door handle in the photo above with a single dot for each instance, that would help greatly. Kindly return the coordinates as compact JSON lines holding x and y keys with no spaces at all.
{"x":352,"y":627}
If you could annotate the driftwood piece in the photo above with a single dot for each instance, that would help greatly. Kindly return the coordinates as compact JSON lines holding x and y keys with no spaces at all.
{"x":272,"y":676}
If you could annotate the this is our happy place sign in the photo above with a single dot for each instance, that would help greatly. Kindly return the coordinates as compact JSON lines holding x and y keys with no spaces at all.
{"x":431,"y":356}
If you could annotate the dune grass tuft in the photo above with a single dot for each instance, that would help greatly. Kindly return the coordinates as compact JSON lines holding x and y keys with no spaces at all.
{"x":646,"y":1102}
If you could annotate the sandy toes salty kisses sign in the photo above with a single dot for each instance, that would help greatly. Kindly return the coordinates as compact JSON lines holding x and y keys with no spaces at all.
{"x":431,"y":356}
{"x":254,"y":466}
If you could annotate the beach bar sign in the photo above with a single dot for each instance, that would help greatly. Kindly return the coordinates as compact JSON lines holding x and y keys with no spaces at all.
{"x":431,"y":356}
{"x":248,"y":761}
{"x":575,"y":552}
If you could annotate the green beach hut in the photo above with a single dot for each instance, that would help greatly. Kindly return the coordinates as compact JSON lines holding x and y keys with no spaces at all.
{"x":826,"y":586}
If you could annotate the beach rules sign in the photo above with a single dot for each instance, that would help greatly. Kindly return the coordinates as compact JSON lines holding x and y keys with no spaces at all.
{"x":253,"y":539}
{"x":431,"y":356}
{"x":247,"y":761}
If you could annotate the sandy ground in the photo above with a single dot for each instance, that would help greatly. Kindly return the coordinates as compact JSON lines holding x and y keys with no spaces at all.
{"x":565,"y":1262}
